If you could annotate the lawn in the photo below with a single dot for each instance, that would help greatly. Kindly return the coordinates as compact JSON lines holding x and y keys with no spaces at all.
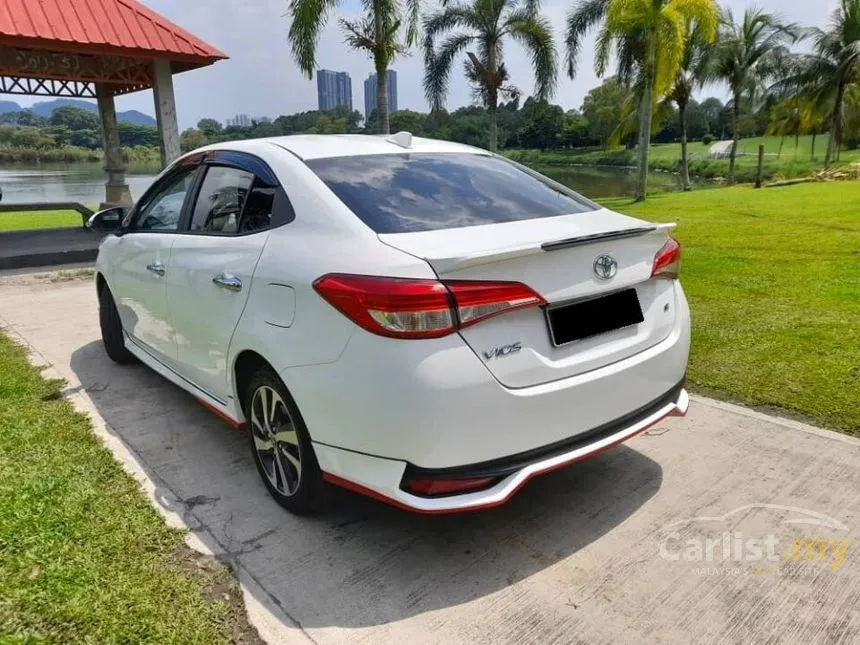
{"x":84,"y":558}
{"x":794,"y":162}
{"x":39,"y":219}
{"x":773,"y":279}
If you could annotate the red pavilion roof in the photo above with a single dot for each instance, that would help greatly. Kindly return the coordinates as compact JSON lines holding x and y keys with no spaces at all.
{"x":101,"y":27}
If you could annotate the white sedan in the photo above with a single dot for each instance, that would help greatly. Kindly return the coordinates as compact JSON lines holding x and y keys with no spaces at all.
{"x":418,"y":320}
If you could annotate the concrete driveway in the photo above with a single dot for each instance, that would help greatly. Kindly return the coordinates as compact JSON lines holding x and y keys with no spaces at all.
{"x":652,"y":542}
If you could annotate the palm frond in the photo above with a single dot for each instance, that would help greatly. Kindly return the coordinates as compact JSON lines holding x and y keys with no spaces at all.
{"x":535,"y":35}
{"x":359,"y":33}
{"x":437,"y":67}
{"x":309,"y":19}
{"x":586,"y":15}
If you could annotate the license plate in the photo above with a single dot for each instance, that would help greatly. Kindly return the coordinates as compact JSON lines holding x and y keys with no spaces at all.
{"x":568,"y":323}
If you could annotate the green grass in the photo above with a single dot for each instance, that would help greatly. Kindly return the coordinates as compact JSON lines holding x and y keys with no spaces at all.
{"x":83,"y":556}
{"x":773,"y":279}
{"x":38,"y":219}
{"x":793,"y":163}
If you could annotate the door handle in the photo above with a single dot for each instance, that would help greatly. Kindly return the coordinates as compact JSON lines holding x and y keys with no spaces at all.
{"x":157,"y":268}
{"x":228,"y":281}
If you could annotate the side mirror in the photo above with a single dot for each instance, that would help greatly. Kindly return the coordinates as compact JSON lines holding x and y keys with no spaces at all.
{"x":107,"y":221}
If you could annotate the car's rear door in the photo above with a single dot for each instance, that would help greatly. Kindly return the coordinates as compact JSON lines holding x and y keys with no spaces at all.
{"x":213,"y":261}
{"x":142,"y":256}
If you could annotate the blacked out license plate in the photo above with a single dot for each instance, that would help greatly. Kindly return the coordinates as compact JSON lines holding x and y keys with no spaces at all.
{"x":587,"y":318}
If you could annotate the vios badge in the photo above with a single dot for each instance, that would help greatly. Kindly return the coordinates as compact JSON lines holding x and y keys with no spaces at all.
{"x":605,"y":267}
{"x":501,"y":352}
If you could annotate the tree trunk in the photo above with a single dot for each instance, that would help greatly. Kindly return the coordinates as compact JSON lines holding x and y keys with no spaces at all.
{"x":736,"y":118}
{"x":645,"y":116}
{"x":796,"y":143}
{"x":382,"y":101}
{"x":781,"y":144}
{"x":493,"y":99}
{"x":685,"y":161}
{"x":494,"y":127}
{"x":381,"y":66}
{"x":835,"y":126}
{"x":814,"y":135}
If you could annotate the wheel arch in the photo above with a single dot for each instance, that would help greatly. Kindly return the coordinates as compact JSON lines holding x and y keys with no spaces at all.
{"x":101,"y":283}
{"x":245,"y":364}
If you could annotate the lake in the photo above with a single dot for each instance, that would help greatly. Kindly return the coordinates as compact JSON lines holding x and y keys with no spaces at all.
{"x":84,"y":182}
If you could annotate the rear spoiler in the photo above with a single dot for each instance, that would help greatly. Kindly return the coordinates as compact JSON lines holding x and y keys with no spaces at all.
{"x":445,"y":264}
{"x":582,"y":240}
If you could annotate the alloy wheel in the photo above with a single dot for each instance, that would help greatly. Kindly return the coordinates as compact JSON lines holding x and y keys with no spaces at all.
{"x":275,"y":440}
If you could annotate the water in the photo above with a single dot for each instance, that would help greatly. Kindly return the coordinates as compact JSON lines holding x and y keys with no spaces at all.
{"x":76,"y":182}
{"x":594,"y":181}
{"x":84,"y":182}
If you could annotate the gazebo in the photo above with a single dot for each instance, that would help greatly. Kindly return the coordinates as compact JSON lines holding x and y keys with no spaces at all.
{"x":99,"y":49}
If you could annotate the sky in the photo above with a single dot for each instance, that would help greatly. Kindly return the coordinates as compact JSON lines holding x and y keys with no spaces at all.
{"x":261,"y":79}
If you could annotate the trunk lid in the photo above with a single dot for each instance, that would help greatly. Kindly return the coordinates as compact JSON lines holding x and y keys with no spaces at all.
{"x":555,"y":257}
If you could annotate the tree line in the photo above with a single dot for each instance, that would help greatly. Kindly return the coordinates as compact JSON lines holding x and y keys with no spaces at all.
{"x":68,"y":126}
{"x":663,"y":50}
{"x":530,"y":124}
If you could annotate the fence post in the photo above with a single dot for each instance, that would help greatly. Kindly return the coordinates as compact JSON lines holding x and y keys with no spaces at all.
{"x":760,"y":166}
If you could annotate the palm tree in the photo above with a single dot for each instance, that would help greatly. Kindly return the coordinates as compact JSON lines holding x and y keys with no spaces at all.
{"x":824,"y":76}
{"x":747,"y":56}
{"x":788,"y":118}
{"x":649,"y":40}
{"x":377,"y":32}
{"x":695,"y":71}
{"x":485,"y":24}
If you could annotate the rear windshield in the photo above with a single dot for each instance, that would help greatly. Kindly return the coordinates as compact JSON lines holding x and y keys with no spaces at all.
{"x":403,"y":193}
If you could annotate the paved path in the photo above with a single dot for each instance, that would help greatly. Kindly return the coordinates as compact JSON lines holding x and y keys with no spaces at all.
{"x":574,"y":558}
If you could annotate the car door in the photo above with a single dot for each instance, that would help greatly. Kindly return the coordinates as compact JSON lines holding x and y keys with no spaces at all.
{"x":142,"y":258}
{"x":213,"y":262}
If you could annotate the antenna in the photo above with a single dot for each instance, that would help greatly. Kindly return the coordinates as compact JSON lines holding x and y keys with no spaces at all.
{"x":402,"y":139}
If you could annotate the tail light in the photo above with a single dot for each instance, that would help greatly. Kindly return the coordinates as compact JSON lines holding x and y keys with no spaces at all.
{"x":407,"y":308}
{"x":667,"y":262}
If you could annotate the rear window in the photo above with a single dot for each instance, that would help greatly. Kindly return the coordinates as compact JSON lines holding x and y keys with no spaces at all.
{"x":403,"y":193}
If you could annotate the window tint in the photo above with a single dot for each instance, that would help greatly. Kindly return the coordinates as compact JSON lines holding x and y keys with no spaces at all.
{"x":426,"y":191}
{"x":163,"y":210}
{"x":221,"y":200}
{"x":258,"y":208}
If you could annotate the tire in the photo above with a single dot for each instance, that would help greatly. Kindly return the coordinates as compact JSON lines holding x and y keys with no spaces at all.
{"x":111,"y":326}
{"x":287,"y":465}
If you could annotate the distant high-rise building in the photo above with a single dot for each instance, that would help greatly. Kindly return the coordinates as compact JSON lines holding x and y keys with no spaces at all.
{"x":240,"y":120}
{"x":370,"y":93}
{"x":333,"y":89}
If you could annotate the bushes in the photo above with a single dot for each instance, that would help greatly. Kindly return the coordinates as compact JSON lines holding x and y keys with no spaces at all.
{"x":37,"y":155}
{"x":708,"y":139}
{"x":71,"y":154}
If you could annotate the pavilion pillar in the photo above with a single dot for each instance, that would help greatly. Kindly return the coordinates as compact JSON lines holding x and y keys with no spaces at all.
{"x":116,"y":188}
{"x":165,"y":111}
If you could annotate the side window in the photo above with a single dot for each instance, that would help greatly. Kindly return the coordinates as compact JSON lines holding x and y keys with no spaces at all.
{"x":222,"y":198}
{"x":259,"y":208}
{"x":164,"y":209}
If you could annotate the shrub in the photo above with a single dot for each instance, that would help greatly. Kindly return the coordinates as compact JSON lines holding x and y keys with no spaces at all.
{"x":708,"y":139}
{"x":852,"y":143}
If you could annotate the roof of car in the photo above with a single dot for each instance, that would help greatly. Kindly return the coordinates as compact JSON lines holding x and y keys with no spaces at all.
{"x":316,"y":146}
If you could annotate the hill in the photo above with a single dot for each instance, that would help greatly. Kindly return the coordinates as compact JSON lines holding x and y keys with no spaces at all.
{"x":46,"y":108}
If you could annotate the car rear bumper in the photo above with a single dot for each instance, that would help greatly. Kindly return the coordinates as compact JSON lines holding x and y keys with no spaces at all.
{"x":382,"y":478}
{"x":434,"y":407}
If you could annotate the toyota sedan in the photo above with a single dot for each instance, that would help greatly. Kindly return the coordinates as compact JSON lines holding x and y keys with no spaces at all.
{"x":417,"y":320}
